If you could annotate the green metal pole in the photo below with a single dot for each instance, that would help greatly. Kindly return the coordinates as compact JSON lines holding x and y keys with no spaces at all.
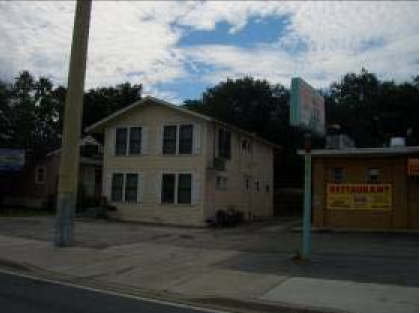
{"x":69,"y":156}
{"x":306,"y":236}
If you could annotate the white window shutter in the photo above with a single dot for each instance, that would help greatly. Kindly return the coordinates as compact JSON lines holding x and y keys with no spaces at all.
{"x":145,"y":140}
{"x":197,"y":139}
{"x":159,"y":140}
{"x":140,"y":187}
{"x":196,"y":189}
{"x":158,"y":188}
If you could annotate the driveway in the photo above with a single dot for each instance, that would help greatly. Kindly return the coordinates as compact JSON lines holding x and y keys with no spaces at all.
{"x":268,"y":248}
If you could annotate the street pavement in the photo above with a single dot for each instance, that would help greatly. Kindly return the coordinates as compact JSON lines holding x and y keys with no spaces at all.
{"x":351,"y":272}
{"x":20,"y":294}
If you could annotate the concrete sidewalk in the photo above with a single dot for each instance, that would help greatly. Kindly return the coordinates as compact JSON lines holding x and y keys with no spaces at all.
{"x":193,"y":273}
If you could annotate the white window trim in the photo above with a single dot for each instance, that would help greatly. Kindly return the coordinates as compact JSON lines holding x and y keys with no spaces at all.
{"x":139,"y":181}
{"x":127,"y":148}
{"x":176,"y":187}
{"x":178,"y":129}
{"x":37,"y":181}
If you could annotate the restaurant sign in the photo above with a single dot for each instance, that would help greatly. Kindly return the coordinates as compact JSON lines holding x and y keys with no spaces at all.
{"x":359,"y":196}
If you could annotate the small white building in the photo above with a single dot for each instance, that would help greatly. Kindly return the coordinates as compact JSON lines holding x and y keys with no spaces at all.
{"x":167,"y":164}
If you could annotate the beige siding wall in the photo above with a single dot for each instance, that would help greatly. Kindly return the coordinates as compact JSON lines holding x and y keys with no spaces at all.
{"x":393,"y":170}
{"x":256,"y":165}
{"x":152,"y":164}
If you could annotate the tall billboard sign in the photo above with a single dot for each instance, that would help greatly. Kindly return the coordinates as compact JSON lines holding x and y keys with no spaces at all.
{"x":12,"y":160}
{"x":307,"y":107}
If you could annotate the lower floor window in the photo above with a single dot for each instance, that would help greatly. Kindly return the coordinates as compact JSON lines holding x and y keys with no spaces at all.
{"x":184,"y":188}
{"x":176,"y":188}
{"x":117,"y":187}
{"x":124,"y":187}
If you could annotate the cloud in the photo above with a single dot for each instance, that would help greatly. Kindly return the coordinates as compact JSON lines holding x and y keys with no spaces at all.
{"x":138,"y":41}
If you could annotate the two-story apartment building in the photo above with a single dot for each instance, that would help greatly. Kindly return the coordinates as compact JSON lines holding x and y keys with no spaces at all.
{"x":167,"y":164}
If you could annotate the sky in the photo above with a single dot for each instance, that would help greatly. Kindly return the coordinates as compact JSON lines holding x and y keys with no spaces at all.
{"x":177,"y":49}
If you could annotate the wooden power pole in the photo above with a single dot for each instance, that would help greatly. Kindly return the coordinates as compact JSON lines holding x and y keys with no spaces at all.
{"x":69,"y":157}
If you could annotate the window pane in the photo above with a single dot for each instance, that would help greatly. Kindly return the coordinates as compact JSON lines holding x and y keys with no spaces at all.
{"x":117,"y":187}
{"x":168,"y":188}
{"x":373,"y":175}
{"x":184,"y":188}
{"x":121,"y":141}
{"x":169,"y":140}
{"x":131,"y":188}
{"x":135,"y":140}
{"x":185,"y":139}
{"x":338,"y":174}
{"x":224,"y":143}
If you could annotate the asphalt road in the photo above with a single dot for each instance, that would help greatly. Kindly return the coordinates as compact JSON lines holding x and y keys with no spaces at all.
{"x":26,"y":295}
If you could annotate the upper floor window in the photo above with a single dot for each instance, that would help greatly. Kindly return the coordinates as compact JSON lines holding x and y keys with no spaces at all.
{"x":40,"y":175}
{"x":373,"y":175}
{"x":338,"y":174}
{"x":121,"y":141}
{"x":224,"y":143}
{"x":177,"y":139}
{"x":185,"y":139}
{"x":246,"y":145}
{"x":135,"y":140}
{"x":169,"y":140}
{"x":128,"y":140}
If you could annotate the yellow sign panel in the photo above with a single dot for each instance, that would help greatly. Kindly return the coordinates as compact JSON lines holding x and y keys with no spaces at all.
{"x":359,"y":196}
{"x":413,"y":167}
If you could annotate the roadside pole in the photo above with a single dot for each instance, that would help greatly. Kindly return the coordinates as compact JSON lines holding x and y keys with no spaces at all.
{"x":69,"y":157}
{"x":306,"y":237}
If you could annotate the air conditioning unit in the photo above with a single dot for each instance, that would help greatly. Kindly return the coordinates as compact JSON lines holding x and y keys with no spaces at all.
{"x":396,"y":142}
{"x":338,"y":142}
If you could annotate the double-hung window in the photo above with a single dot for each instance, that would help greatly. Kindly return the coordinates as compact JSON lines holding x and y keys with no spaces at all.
{"x":40,"y":174}
{"x":121,"y":141}
{"x":176,"y":188}
{"x":169,"y":139}
{"x":177,"y":139}
{"x":125,"y":187}
{"x":128,"y":140}
{"x":117,"y":187}
{"x":135,"y":140}
{"x":185,"y":139}
{"x":224,"y":143}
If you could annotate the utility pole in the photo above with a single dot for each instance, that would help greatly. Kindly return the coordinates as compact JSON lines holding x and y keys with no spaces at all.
{"x":69,"y":157}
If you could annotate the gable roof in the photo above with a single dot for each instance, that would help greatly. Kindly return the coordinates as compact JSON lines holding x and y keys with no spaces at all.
{"x":88,"y":140}
{"x":98,"y":126}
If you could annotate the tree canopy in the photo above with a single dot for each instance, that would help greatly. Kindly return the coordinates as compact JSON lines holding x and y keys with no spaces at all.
{"x":371,"y":111}
{"x":31,"y":110}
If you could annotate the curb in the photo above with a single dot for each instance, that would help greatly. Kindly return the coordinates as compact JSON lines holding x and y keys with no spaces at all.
{"x":233,"y":305}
